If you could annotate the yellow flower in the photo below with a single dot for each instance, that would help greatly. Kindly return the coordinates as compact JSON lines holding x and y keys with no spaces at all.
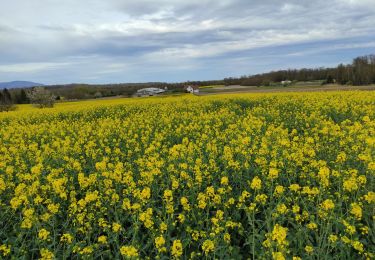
{"x":66,"y":238}
{"x":370,"y":197}
{"x":129,"y":251}
{"x":5,"y":249}
{"x":45,"y":254}
{"x":163,"y":227}
{"x":91,"y":196}
{"x":312,"y":226}
{"x":43,"y":234}
{"x":362,"y":179}
{"x":168,"y":195}
{"x":279,"y":190}
{"x":175,"y":184}
{"x":309,"y":249}
{"x":256,"y":183}
{"x":356,"y":210}
{"x":176,"y":249}
{"x":146,"y":218}
{"x":245,"y":194}
{"x":36,"y":170}
{"x":350,"y":184}
{"x":261,"y":198}
{"x":278,"y":256}
{"x":323,"y":174}
{"x":201,"y":201}
{"x":116,"y":227}
{"x":53,"y":208}
{"x":185,"y":203}
{"x":224,"y":181}
{"x":101,"y":166}
{"x":45,"y":217}
{"x":358,"y":246}
{"x":181,"y":218}
{"x":27,"y":223}
{"x":327,"y":205}
{"x":273,"y":173}
{"x":350,"y":229}
{"x":296,"y":209}
{"x":279,"y":234}
{"x":364,"y":230}
{"x":102,"y":239}
{"x":169,"y":208}
{"x":332,"y":238}
{"x":126,"y":205}
{"x":210,"y":191}
{"x":146,"y":193}
{"x":195,"y":235}
{"x":252,"y":207}
{"x":345,"y":239}
{"x":159,"y":243}
{"x":227,"y":237}
{"x":86,"y":250}
{"x":281,"y":208}
{"x":208,"y":246}
{"x":28,"y":213}
{"x":294,"y":187}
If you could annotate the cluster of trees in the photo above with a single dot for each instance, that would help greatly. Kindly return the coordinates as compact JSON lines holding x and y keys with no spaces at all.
{"x":39,"y":96}
{"x":360,"y":72}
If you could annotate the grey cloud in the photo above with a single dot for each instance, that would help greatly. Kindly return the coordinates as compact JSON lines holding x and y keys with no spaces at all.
{"x":4,"y":28}
{"x":169,"y":34}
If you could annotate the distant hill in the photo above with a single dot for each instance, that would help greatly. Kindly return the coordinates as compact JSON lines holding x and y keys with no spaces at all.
{"x":19,"y":84}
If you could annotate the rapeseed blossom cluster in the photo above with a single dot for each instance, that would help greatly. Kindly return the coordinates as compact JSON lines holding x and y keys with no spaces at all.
{"x":255,"y":176}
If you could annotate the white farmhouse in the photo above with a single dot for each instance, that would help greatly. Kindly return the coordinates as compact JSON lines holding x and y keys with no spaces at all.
{"x":192,"y":89}
{"x":286,"y":82}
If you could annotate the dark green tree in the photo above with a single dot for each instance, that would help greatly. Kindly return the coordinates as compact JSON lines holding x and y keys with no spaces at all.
{"x":6,"y":103}
{"x":330,"y":80}
{"x":7,"y":96}
{"x":23,"y":97}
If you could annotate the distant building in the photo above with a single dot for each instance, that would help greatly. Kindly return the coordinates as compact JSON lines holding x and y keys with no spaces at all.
{"x":192,"y":89}
{"x":286,"y":82}
{"x":149,"y":92}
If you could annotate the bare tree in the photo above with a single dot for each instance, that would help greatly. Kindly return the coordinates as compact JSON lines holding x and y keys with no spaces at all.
{"x":41,"y":97}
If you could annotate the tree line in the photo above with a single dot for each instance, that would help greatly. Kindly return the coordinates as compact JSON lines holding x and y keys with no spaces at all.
{"x":360,"y":72}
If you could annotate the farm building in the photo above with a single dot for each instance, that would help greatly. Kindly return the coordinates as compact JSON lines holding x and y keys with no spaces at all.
{"x":192,"y":89}
{"x":149,"y":92}
{"x":286,"y":82}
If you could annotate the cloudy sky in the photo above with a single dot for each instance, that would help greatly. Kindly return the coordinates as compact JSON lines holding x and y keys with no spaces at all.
{"x":102,"y":41}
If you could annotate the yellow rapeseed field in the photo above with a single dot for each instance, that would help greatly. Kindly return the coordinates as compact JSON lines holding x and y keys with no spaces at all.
{"x":253,"y":176}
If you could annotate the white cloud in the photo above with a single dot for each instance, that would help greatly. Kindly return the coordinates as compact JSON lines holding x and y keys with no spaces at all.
{"x":31,"y":67}
{"x":49,"y":35}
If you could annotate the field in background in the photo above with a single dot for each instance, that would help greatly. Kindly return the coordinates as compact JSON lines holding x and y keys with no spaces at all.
{"x":262,"y":175}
